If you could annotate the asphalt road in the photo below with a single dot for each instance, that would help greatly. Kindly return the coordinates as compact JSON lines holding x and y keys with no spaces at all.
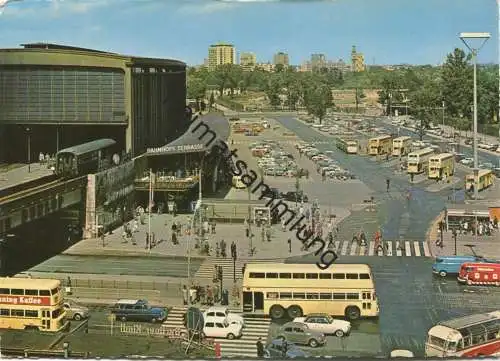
{"x":394,"y":214}
{"x":122,"y":265}
{"x":412,"y":300}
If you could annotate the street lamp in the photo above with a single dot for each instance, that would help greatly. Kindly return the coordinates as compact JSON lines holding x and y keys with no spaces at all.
{"x":29,"y":149}
{"x":484,"y":37}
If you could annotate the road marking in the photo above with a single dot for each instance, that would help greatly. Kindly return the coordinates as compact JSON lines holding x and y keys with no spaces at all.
{"x":416,"y":245}
{"x":427,"y":252}
{"x":389,"y":248}
{"x":371,"y":250}
{"x":399,"y":252}
{"x":344,"y":249}
{"x":353,"y":249}
{"x":336,"y":246}
{"x":407,"y":249}
{"x":362,"y":250}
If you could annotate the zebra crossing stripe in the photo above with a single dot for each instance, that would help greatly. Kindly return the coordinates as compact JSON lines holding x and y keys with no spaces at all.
{"x":399,"y":252}
{"x":427,"y":252}
{"x":336,"y":246}
{"x":371,"y":251}
{"x":407,"y":249}
{"x":362,"y":250}
{"x":353,"y":249}
{"x":389,"y":248}
{"x":416,"y":245}
{"x":344,"y":248}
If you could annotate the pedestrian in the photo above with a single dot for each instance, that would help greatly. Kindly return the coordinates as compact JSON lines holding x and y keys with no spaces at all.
{"x":147,"y":240}
{"x":223,"y":248}
{"x":289,"y":245}
{"x":216,"y":292}
{"x":388,"y":183}
{"x":260,"y":348}
{"x":216,"y":273}
{"x":184,"y":295}
{"x":217,"y":249}
{"x":210,"y":296}
{"x":213,"y":227}
{"x":236,"y":294}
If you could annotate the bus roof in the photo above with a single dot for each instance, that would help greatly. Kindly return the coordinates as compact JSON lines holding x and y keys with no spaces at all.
{"x":421,"y":152}
{"x":470,"y":320}
{"x":305,"y":267}
{"x":444,"y":332}
{"x":29,"y":283}
{"x":442,"y":156}
{"x":381,"y":137}
{"x":403,"y":138}
{"x":481,"y":265}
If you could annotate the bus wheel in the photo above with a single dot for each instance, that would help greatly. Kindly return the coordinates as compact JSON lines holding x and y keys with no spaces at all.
{"x":442,"y":273}
{"x":352,"y":313}
{"x":277,"y":312}
{"x":294,"y":311}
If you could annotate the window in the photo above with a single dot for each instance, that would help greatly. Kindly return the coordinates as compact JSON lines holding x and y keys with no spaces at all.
{"x":210,"y":314}
{"x":54,"y":291}
{"x":311,"y":276}
{"x":338,"y":276}
{"x":44,"y":293}
{"x":209,"y":324}
{"x":298,"y":330}
{"x":32,"y":212}
{"x":257,"y":275}
{"x":325,"y":296}
{"x":353,"y":296}
{"x":16,"y":291}
{"x":364,"y":276}
{"x":17,"y":313}
{"x":286,"y":275}
{"x":325,"y":276}
{"x":31,"y":313}
{"x":219,"y":325}
{"x":271,"y":275}
{"x":286,"y":295}
{"x":4,"y":312}
{"x":31,"y":292}
{"x":57,"y":313}
{"x":351,"y":276}
{"x":272,"y":295}
{"x":4,"y":291}
{"x":312,"y":296}
{"x":366,"y":295}
{"x":288,"y":329}
{"x":339,"y":296}
{"x":299,"y":295}
{"x":298,"y":276}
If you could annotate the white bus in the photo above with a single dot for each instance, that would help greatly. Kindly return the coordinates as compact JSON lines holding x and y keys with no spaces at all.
{"x":401,"y":146}
{"x":279,"y":289}
{"x":349,"y":146}
{"x":418,"y":161}
{"x":469,"y":336}
{"x":441,"y":165}
{"x":380,"y":145}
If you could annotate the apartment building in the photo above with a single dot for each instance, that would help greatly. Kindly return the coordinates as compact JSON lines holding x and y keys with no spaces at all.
{"x":248,"y":61}
{"x":281,"y":58}
{"x":220,"y":54}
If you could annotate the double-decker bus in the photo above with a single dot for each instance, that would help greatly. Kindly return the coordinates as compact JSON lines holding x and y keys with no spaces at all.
{"x":401,"y":146}
{"x":349,"y":146}
{"x":485,"y":180}
{"x":299,"y":289}
{"x":418,"y":161}
{"x":31,"y":303}
{"x":441,"y":165}
{"x":380,"y":145}
{"x":469,"y":336}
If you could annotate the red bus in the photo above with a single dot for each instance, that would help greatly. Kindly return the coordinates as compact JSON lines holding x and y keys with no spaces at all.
{"x":484,"y":274}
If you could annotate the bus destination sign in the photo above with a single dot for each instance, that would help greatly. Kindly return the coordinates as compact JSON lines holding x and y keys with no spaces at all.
{"x":25,"y":300}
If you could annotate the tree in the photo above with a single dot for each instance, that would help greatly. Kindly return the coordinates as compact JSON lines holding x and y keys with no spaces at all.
{"x":359,"y":96}
{"x":318,"y":100}
{"x":273,"y":91}
{"x":390,"y":93}
{"x":457,"y":77}
{"x":196,"y":89}
{"x":211,"y":102}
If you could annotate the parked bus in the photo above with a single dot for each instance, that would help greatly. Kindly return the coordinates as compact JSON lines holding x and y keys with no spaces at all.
{"x":238,"y":183}
{"x":31,"y":303}
{"x":401,"y":146}
{"x":349,"y":146}
{"x":468,"y":336}
{"x":299,"y":289}
{"x":380,"y":145}
{"x":441,"y":165}
{"x":485,"y":180}
{"x":418,"y":161}
{"x":484,"y":274}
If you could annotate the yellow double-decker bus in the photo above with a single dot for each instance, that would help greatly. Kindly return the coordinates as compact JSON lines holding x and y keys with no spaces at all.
{"x":401,"y":146}
{"x":441,"y":165}
{"x":418,"y":161}
{"x":349,"y":146}
{"x":485,"y":180}
{"x":279,"y":289}
{"x":380,"y":145}
{"x":31,"y":303}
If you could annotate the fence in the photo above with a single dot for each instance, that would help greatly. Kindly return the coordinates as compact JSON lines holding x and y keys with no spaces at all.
{"x":19,"y":351}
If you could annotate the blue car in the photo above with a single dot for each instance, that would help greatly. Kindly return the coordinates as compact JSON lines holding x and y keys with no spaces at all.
{"x":275,"y":350}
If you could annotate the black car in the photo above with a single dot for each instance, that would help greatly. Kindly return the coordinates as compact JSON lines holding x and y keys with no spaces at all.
{"x":295,"y":197}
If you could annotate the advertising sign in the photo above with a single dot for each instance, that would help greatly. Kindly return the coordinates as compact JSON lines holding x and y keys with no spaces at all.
{"x":25,"y":300}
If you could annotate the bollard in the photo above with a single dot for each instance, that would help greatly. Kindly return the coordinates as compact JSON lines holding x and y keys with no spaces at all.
{"x":217,"y":350}
{"x":66,"y":349}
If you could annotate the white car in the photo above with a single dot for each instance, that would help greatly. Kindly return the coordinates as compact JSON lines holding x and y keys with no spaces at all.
{"x":467,"y":161}
{"x":326,"y":324}
{"x":216,"y":328}
{"x":222,"y":314}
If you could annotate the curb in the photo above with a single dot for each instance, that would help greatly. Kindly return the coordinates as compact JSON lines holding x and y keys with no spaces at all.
{"x":125,"y":254}
{"x":431,"y":229}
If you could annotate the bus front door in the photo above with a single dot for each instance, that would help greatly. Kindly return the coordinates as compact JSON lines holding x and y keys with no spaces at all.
{"x":247,"y":301}
{"x":253,"y":301}
{"x":46,"y":319}
{"x":258,"y":301}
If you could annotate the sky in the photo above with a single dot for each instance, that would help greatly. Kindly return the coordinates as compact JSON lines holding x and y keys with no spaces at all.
{"x":385,"y":31}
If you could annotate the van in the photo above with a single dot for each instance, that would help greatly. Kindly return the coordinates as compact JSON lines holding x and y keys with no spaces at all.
{"x":480,"y":274}
{"x":137,"y":310}
{"x":445,"y":265}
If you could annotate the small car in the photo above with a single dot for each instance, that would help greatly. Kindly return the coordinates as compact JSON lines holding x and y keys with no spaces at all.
{"x":216,"y":328}
{"x":299,"y":333}
{"x":325,"y":324}
{"x":222,"y":313}
{"x":75,"y":311}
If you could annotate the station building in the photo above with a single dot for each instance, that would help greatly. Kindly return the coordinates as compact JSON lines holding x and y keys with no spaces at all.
{"x":54,"y":96}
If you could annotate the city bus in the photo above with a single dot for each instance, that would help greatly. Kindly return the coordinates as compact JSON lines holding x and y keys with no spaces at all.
{"x":380,"y":145}
{"x":485,"y":180}
{"x":279,"y":289}
{"x":401,"y":146}
{"x":468,"y":336}
{"x":31,"y":303}
{"x":441,"y":165}
{"x":418,"y":161}
{"x":348,"y":146}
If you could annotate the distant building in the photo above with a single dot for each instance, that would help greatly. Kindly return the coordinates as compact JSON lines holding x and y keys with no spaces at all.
{"x":358,"y":61}
{"x":318,"y":61}
{"x":340,"y":65}
{"x":265,"y":66}
{"x":281,"y":58}
{"x":221,"y":54}
{"x":248,"y":61}
{"x":305,"y":66}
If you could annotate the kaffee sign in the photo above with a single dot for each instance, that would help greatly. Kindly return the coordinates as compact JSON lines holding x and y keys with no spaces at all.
{"x":25,"y":300}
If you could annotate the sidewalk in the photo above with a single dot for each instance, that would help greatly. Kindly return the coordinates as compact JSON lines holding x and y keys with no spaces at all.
{"x":21,"y":175}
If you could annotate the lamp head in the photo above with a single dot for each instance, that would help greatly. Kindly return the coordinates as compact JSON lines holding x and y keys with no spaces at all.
{"x":465,"y":36}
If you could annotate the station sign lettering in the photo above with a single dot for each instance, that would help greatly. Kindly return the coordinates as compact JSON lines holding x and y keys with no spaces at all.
{"x":177,"y":148}
{"x":24,"y":300}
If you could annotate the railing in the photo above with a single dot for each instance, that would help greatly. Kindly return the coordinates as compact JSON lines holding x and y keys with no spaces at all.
{"x":19,"y":351}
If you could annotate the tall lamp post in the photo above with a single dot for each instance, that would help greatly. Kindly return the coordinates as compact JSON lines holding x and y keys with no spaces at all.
{"x":484,"y":37}
{"x":29,"y":149}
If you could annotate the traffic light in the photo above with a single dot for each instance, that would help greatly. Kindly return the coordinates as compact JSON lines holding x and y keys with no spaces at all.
{"x":219,"y":271}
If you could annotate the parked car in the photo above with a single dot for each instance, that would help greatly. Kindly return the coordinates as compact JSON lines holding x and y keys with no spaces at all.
{"x":294,"y":196}
{"x":277,"y":347}
{"x":325,"y":324}
{"x":299,"y":333}
{"x":75,"y":311}
{"x":221,"y":329}
{"x":467,"y":161}
{"x":137,"y":310}
{"x":222,"y":313}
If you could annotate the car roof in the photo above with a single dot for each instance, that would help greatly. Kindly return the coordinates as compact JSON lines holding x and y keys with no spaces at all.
{"x":317,"y":315}
{"x":216,"y":308}
{"x":129,"y":302}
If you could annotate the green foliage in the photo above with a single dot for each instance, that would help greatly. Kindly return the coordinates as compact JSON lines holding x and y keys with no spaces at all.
{"x":196,"y":88}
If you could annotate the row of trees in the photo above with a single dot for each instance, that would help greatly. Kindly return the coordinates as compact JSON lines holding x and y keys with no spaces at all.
{"x":422,"y":91}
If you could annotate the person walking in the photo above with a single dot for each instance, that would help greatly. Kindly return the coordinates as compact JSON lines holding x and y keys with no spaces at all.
{"x":184,"y":295}
{"x":289,"y":245}
{"x":388,"y":184}
{"x":260,"y":347}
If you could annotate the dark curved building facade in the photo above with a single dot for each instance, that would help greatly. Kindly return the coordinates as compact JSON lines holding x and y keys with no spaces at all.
{"x":54,"y":96}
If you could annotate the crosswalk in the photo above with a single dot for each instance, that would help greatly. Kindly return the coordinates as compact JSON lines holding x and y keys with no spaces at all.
{"x":245,"y":346}
{"x":400,"y":248}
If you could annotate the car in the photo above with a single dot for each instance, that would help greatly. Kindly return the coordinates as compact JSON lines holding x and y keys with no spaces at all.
{"x":222,"y":313}
{"x":295,"y":197}
{"x":299,"y":333}
{"x":276,"y":348}
{"x":325,"y":324}
{"x":137,"y":310}
{"x":467,"y":161}
{"x":75,"y":311}
{"x":216,"y":328}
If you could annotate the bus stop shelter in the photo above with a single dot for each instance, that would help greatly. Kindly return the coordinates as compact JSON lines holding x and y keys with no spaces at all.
{"x":457,"y":213}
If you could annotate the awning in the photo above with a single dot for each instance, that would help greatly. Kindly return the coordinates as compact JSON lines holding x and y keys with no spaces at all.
{"x":203,"y":133}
